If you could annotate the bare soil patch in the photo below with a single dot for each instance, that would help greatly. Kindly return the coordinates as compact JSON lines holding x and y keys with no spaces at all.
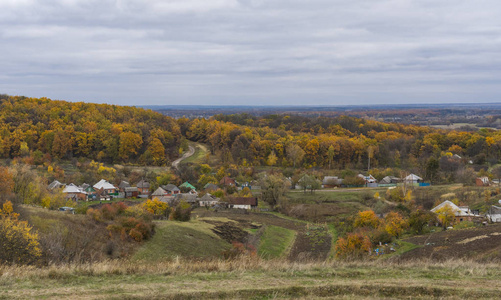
{"x":311,"y":243}
{"x":480,"y":244}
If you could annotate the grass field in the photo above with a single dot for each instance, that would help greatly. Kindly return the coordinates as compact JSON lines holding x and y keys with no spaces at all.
{"x":186,"y":239}
{"x":253,"y":279}
{"x":275,"y":242}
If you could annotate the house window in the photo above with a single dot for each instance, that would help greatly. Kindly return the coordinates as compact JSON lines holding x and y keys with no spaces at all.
{"x":461,"y":220}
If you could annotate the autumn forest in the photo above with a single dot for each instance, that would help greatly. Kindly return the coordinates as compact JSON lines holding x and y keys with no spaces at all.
{"x":41,"y":130}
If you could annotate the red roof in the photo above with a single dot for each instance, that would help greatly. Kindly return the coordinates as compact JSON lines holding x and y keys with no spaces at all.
{"x":227,"y":181}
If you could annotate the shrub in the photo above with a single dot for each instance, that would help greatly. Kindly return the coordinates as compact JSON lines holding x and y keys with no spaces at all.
{"x":380,"y":236}
{"x":182,"y":212}
{"x":354,"y":245}
{"x":419,"y":219}
{"x":239,"y":249}
{"x":129,"y":226}
{"x":157,"y":208}
{"x":18,"y":245}
{"x":366,"y":219}
{"x":464,"y":224}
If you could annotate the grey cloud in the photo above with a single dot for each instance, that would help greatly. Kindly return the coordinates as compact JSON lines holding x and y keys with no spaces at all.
{"x":251,"y":51}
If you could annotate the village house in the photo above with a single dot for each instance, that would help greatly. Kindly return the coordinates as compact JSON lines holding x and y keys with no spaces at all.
{"x":210,"y":187}
{"x":90,"y":190}
{"x":123,"y":185}
{"x":390,"y":180}
{"x":160,"y":192}
{"x":188,"y":198}
{"x":208,"y":200}
{"x":242,"y":202}
{"x":55,"y":185}
{"x":171,"y":189}
{"x":187,"y":185}
{"x":227,"y":181}
{"x":143,"y":187}
{"x":462,"y":213}
{"x":370,"y":181}
{"x":494,"y":214}
{"x":331,"y":181}
{"x":413,"y":179}
{"x":105,"y":188}
{"x":74,"y":193}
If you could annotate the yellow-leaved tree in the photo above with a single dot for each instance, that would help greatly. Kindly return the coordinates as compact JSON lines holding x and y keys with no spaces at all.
{"x":395,"y":224}
{"x":366,"y":219}
{"x":18,"y":243}
{"x":157,"y":208}
{"x":446,"y":215}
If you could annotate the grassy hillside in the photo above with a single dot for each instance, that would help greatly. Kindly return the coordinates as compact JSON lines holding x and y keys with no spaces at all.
{"x":184,"y":239}
{"x":254,"y":279}
{"x":275,"y":242}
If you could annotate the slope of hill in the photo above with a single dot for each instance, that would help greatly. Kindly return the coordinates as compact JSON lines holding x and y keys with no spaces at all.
{"x":482,"y":244}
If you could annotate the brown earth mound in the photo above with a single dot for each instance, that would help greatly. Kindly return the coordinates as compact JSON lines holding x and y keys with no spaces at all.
{"x":229,"y":232}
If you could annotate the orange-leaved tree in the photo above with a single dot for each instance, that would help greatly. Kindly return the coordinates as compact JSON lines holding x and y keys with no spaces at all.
{"x":354,"y":245}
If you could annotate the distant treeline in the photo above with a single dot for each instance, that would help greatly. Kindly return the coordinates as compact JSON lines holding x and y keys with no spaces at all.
{"x":337,"y":142}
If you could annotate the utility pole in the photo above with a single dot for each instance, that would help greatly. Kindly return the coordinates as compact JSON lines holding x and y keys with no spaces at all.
{"x":369,"y":152}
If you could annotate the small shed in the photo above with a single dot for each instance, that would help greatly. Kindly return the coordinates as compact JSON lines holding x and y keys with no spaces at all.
{"x":131,"y":192}
{"x":482,"y":181}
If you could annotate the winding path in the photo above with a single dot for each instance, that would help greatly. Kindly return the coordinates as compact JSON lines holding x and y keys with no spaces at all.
{"x":191,"y":151}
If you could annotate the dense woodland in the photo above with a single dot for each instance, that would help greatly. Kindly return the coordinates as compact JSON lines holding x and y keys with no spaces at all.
{"x":45,"y":129}
{"x":342,"y":142}
{"x":42,"y":130}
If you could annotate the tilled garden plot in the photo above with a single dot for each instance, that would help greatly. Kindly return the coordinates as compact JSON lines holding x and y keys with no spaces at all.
{"x":476,"y":243}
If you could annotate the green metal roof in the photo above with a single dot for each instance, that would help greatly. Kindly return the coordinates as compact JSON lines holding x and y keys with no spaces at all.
{"x":188,"y":185}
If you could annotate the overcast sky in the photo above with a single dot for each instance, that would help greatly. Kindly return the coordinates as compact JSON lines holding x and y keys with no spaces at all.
{"x":252,"y":52}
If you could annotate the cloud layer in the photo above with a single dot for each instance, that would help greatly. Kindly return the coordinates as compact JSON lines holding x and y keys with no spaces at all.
{"x":252,"y":51}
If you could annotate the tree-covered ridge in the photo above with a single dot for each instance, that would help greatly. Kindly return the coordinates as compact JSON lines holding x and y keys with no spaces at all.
{"x":61,"y":129}
{"x":339,"y":142}
{"x":340,"y":125}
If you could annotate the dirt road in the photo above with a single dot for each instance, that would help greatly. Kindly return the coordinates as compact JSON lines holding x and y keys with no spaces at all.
{"x":191,"y":151}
